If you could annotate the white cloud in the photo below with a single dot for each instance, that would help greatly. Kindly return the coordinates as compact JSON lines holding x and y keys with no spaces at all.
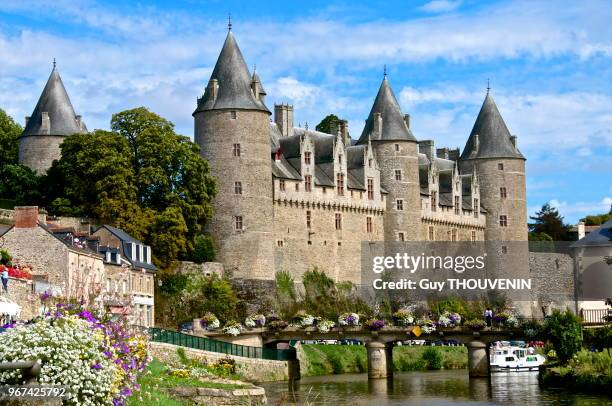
{"x":441,"y":6}
{"x":576,"y":210}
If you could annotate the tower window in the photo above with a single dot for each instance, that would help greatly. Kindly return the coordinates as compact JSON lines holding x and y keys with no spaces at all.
{"x":503,"y":220}
{"x":324,"y":190}
{"x":308,"y":219}
{"x":500,"y":166}
{"x":233,"y":115}
{"x":307,"y":156}
{"x":238,"y":188}
{"x":473,"y":235}
{"x":504,"y":249}
{"x":370,"y":189}
{"x":476,"y":208}
{"x":399,"y":204}
{"x":281,"y":185}
{"x":236,"y":150}
{"x":502,"y":192}
{"x":340,"y":184}
{"x":397,"y":147}
{"x":338,"y":221}
{"x":280,"y":243}
{"x":369,"y":163}
{"x":434,"y":201}
{"x":454,"y":234}
{"x":369,"y":224}
{"x":457,"y":207}
{"x":238,"y":223}
{"x":401,"y":236}
{"x":308,"y":183}
{"x":297,"y":186}
{"x":398,"y":174}
{"x":431,"y":233}
{"x":340,"y":159}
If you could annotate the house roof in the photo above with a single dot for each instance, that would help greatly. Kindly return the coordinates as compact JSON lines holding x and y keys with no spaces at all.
{"x":493,"y":135}
{"x":234,"y":81}
{"x":54,"y":100}
{"x":125,"y":239}
{"x":393,"y":124}
{"x":598,"y":238}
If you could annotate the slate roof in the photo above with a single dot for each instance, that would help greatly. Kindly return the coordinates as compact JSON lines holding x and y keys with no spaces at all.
{"x":393,"y":125}
{"x":234,"y":82}
{"x":602,"y":237}
{"x":54,"y":100}
{"x":125,"y":240}
{"x":493,"y":135}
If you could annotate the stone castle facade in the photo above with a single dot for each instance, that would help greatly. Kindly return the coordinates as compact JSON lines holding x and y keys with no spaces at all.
{"x":293,"y":199}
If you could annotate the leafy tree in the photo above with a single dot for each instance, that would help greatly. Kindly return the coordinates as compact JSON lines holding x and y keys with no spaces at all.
{"x":141,"y":177}
{"x":203,"y":249}
{"x":564,"y":330}
{"x":20,"y":184}
{"x":9,"y":146}
{"x":326,"y":124}
{"x":549,"y":221}
{"x":210,"y":294}
{"x":598,"y":219}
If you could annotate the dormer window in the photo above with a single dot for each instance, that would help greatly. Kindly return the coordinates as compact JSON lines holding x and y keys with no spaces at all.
{"x":307,"y":156}
{"x":397,"y":147}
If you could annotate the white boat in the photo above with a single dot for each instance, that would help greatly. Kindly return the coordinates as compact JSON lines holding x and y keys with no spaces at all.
{"x":504,"y":357}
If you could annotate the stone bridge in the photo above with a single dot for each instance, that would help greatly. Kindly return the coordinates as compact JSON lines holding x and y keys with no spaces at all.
{"x":379,"y":344}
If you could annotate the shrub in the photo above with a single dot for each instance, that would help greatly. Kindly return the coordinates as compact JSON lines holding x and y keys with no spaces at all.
{"x":432,"y":356}
{"x":564,"y":330}
{"x":5,"y":257}
{"x":375,"y":324}
{"x":203,"y":249}
{"x":403,"y":317}
{"x":209,"y":321}
{"x":475,"y":324}
{"x":232,"y":328}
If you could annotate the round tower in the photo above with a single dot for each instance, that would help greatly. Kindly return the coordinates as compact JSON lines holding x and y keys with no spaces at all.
{"x":232,"y":128}
{"x":491,"y":152}
{"x":52,"y":120}
{"x":396,"y":153}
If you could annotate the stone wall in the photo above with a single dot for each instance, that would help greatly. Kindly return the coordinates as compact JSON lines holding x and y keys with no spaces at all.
{"x":254,"y":369}
{"x":38,"y":152}
{"x":21,"y":292}
{"x":553,"y":278}
{"x":220,"y":397}
{"x":206,"y":268}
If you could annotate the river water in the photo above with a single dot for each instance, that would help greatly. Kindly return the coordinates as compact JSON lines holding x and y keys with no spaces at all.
{"x":436,"y":388}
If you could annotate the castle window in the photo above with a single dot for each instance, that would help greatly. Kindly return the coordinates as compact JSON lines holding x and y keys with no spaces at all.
{"x":473,"y":235}
{"x":238,"y":223}
{"x":280,"y":243}
{"x":399,"y":204}
{"x":500,"y":166}
{"x":308,"y":183}
{"x":281,"y":185}
{"x":434,"y":201}
{"x":297,"y":186}
{"x":307,"y":155}
{"x":476,"y":208}
{"x":504,"y":249}
{"x":340,"y":184}
{"x":397,"y":147}
{"x":308,"y":219}
{"x":309,"y":242}
{"x":398,"y":174}
{"x":454,"y":234}
{"x":457,"y":208}
{"x":401,"y":236}
{"x":370,"y":163}
{"x":324,"y":190}
{"x":233,"y":115}
{"x":238,"y":188}
{"x":236,"y":150}
{"x":431,"y":234}
{"x":370,"y":189}
{"x":369,"y":224}
{"x":503,"y":193}
{"x":503,"y":220}
{"x":338,"y":221}
{"x":340,"y":159}
{"x":339,"y":244}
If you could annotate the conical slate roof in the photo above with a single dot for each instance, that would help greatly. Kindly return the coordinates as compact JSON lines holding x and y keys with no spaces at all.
{"x":393,"y":125}
{"x":493,"y":135}
{"x":234,"y":81}
{"x":54,"y":100}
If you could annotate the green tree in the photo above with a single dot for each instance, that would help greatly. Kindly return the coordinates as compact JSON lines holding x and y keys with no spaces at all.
{"x":549,"y":221}
{"x":9,"y":146}
{"x":203,"y":249}
{"x":326,"y":124}
{"x":564,"y":330}
{"x":597,"y":219}
{"x":210,"y":294}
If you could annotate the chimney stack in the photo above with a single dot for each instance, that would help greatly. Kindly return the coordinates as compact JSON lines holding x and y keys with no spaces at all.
{"x":407,"y":120}
{"x":427,"y":147}
{"x":213,"y":88}
{"x":513,"y":140}
{"x":476,"y":143}
{"x":46,"y":123}
{"x":26,"y":216}
{"x":283,"y":117}
{"x":442,"y":153}
{"x":378,"y":123}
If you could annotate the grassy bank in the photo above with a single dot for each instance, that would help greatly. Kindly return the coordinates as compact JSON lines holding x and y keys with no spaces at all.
{"x":587,"y":372}
{"x":158,"y":378}
{"x":341,"y":359}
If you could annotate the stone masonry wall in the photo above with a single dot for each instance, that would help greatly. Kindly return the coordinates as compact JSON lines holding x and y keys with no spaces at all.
{"x":21,"y":292}
{"x":258,"y":370}
{"x":38,"y":152}
{"x":553,"y":277}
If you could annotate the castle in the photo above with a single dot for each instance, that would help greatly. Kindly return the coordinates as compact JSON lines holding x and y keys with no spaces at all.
{"x":292,"y":198}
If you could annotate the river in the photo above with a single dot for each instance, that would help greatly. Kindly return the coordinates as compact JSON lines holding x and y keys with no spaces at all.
{"x":436,"y":388}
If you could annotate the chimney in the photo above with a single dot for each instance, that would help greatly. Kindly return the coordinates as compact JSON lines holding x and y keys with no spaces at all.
{"x":79,"y":120}
{"x":378,"y":126}
{"x":26,"y":216}
{"x":442,"y":153}
{"x":46,"y":123}
{"x":407,"y":120}
{"x":581,"y":230}
{"x":476,"y":143}
{"x":341,"y":127}
{"x":427,"y":147}
{"x":513,"y":140}
{"x":283,"y":117}
{"x":453,"y":154}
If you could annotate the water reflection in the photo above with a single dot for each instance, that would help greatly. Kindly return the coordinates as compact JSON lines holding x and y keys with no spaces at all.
{"x":424,"y":388}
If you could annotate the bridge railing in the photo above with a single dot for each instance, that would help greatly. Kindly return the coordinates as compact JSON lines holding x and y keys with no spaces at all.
{"x":208,"y":344}
{"x":595,"y":316}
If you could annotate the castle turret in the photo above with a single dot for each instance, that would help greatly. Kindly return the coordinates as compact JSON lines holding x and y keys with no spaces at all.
{"x":491,"y":152}
{"x":396,"y":152}
{"x":233,"y":131}
{"x":52,"y":120}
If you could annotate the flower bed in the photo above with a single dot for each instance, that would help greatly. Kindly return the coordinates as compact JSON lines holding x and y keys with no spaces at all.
{"x":232,"y":328}
{"x":209,"y":322}
{"x":255,"y":320}
{"x":348,"y":319}
{"x":403,"y":317}
{"x":16,"y":273}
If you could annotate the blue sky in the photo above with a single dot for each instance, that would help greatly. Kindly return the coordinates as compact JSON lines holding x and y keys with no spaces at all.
{"x":549,"y":64}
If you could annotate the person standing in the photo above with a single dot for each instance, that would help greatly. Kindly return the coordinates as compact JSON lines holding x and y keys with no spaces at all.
{"x":488,"y":314}
{"x":5,"y":277}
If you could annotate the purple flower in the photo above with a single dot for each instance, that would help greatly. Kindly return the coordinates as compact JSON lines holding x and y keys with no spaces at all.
{"x":45,"y":296}
{"x":85,"y":314}
{"x":96,"y":366}
{"x":126,"y":391}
